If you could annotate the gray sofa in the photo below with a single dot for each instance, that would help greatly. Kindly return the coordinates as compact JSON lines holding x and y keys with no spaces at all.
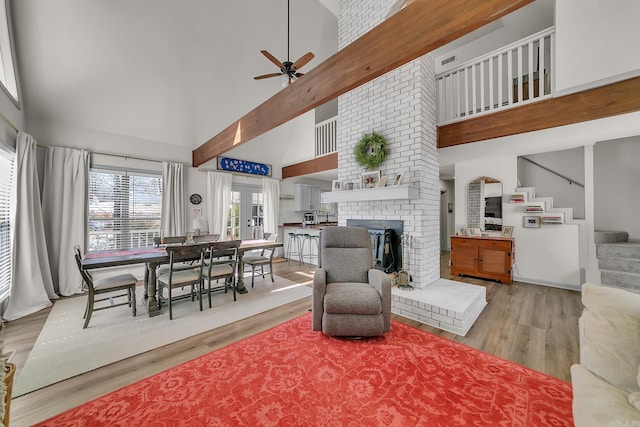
{"x":606,"y":383}
{"x":350,"y":298}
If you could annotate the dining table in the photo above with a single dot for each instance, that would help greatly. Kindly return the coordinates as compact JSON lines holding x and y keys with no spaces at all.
{"x":151,"y":257}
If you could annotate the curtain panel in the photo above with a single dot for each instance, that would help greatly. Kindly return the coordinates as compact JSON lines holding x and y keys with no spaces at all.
{"x":64,"y":205}
{"x":218,"y":200}
{"x":271,"y":192}
{"x":31,"y":283}
{"x":173,"y":201}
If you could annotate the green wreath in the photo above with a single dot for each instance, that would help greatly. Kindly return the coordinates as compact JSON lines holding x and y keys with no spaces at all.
{"x":371,"y":150}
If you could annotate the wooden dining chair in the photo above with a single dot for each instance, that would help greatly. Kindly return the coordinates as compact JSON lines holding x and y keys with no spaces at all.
{"x":108,"y":285}
{"x":178,"y":276}
{"x":222,"y":264}
{"x":206,"y":238}
{"x":264,"y":257}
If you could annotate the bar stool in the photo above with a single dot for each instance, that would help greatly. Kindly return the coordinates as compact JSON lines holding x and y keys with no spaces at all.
{"x":294,"y":247}
{"x":310,"y":238}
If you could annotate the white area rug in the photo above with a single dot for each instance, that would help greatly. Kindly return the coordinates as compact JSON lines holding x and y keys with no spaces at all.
{"x":64,"y":349}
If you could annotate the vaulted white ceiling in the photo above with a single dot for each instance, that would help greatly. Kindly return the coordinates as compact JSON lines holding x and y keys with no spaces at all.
{"x":175,"y":72}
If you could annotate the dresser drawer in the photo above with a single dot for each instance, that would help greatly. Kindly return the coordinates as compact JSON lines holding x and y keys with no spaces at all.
{"x":495,"y":244}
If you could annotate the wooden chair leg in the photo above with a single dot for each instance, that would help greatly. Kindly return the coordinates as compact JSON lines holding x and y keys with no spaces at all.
{"x":133,"y":302}
{"x":89,"y":311}
{"x":253,"y":274}
{"x":271,"y":271}
{"x":170,"y":307}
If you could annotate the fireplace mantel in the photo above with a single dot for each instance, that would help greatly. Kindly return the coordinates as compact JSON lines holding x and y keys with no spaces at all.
{"x":395,"y":192}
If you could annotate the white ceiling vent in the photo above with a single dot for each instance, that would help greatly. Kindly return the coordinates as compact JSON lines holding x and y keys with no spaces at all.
{"x":450,"y":59}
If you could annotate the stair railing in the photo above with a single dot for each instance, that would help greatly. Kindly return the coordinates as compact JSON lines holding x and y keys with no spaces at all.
{"x":571,"y":181}
{"x":516,"y":74}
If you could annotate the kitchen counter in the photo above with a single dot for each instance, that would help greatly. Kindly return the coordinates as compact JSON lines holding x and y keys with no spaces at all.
{"x":318,"y":226}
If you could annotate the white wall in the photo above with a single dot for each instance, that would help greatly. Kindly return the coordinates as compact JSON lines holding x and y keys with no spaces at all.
{"x":547,"y":255}
{"x":617,"y":181}
{"x":596,"y":43}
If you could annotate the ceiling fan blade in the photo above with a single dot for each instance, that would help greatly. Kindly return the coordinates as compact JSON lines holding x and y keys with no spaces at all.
{"x":272,"y":58}
{"x":266,"y":76}
{"x":303,"y":60}
{"x":299,"y":74}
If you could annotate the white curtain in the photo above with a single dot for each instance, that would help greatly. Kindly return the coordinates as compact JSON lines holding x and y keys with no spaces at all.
{"x":271,"y":193}
{"x":64,"y":205}
{"x":218,"y":200}
{"x":31,"y":283}
{"x":173,"y":202}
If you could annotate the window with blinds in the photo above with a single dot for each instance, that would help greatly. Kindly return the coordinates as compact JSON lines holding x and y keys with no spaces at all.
{"x":6,"y":218}
{"x":124,"y":209}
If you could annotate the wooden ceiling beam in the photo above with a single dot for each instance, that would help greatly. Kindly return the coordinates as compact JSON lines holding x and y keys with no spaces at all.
{"x":319,"y":164}
{"x":420,"y":27}
{"x":605,"y":101}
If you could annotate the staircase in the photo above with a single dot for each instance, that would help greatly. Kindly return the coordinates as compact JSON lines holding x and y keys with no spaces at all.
{"x":566,"y":213}
{"x":618,"y":259}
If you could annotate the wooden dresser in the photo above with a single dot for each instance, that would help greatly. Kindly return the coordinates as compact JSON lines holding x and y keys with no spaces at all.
{"x":485,"y":257}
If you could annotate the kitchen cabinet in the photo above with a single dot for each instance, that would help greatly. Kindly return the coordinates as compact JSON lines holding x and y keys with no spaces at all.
{"x":306,"y":198}
{"x":485,"y":257}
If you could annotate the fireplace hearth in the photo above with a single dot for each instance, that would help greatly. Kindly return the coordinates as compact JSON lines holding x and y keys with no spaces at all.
{"x":385,"y":242}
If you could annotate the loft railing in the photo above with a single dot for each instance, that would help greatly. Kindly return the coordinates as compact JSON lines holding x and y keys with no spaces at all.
{"x":326,"y":137}
{"x":499,"y":79}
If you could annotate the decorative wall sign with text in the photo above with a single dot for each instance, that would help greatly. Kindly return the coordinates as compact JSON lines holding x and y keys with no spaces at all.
{"x":243,"y":166}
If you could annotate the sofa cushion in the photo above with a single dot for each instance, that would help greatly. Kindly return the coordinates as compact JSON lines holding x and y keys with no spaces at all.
{"x":610,"y":335}
{"x":598,"y":403}
{"x":352,"y":298}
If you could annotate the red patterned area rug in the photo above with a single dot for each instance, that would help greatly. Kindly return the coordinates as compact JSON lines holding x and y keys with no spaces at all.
{"x":292,"y":376}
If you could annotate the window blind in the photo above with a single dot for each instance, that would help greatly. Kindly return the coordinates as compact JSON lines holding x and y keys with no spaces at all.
{"x":124,"y":209}
{"x":6,"y":221}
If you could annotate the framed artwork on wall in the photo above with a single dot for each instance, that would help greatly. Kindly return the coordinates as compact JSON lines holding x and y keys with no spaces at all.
{"x":531,"y":221}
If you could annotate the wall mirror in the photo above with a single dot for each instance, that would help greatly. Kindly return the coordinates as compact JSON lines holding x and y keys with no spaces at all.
{"x":484,"y":204}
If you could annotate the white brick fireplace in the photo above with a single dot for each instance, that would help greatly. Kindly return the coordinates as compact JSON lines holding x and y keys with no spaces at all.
{"x":401,"y":106}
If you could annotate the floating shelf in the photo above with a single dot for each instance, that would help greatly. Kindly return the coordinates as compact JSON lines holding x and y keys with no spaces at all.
{"x":518,"y":198}
{"x":396,"y":192}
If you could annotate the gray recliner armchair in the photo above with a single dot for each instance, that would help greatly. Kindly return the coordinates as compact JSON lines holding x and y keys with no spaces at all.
{"x":350,"y":297}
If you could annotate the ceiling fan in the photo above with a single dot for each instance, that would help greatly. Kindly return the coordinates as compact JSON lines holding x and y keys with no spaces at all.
{"x":288,"y":70}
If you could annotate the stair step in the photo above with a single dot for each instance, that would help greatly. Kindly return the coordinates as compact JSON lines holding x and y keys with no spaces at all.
{"x":621,"y":279}
{"x":610,"y":236}
{"x":618,"y":250}
{"x":628,"y":265}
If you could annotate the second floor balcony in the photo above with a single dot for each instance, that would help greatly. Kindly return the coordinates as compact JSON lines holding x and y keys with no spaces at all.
{"x":520,"y":73}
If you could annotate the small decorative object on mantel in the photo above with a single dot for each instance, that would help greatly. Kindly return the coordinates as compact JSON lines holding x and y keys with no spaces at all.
{"x":243,"y":166}
{"x":371,"y":150}
{"x":370,"y":179}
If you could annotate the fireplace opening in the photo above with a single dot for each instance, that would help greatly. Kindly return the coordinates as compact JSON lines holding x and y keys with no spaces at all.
{"x":385,"y":242}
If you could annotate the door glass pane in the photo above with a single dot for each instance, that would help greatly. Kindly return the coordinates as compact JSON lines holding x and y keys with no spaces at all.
{"x":257,"y":209}
{"x":233,"y":223}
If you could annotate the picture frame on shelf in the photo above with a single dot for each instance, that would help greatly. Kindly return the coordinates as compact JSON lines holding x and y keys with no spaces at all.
{"x":531,"y":221}
{"x":348,"y":185}
{"x":473,"y":231}
{"x":370,"y":179}
{"x":383,"y":181}
{"x":336,"y":185}
{"x":507,"y":231}
{"x":461,"y":230}
{"x":398,"y":179}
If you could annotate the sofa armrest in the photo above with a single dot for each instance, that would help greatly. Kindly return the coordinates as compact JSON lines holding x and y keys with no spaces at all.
{"x":382,"y":283}
{"x":317,"y":298}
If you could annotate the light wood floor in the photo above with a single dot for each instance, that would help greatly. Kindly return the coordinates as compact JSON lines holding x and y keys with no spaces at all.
{"x":531,"y":325}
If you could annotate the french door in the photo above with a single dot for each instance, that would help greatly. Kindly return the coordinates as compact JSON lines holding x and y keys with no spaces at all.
{"x":246,"y":213}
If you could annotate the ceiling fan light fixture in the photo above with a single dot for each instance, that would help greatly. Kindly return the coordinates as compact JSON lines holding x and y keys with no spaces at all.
{"x":288,"y":70}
